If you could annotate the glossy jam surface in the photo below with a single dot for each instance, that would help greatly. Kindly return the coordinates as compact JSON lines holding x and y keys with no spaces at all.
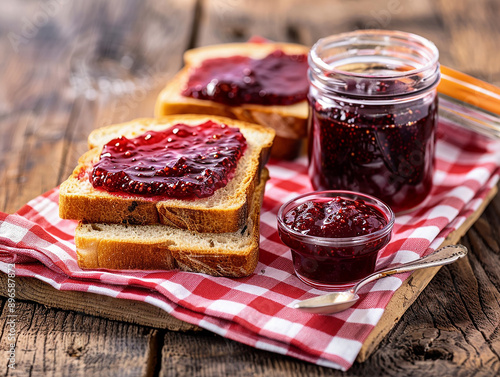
{"x":277,"y":79}
{"x":386,"y":151}
{"x":333,"y":259}
{"x":335,"y":218}
{"x":180,"y":162}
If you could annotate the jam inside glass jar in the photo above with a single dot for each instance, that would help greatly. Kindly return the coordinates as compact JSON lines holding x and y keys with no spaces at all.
{"x":334,"y":236}
{"x":373,"y":115}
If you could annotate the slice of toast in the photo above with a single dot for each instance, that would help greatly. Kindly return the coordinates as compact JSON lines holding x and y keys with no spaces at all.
{"x":289,"y":122}
{"x":225,"y":211}
{"x":160,"y":247}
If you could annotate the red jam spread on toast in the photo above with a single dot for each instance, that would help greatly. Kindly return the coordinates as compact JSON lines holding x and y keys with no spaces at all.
{"x":180,"y":162}
{"x":278,"y":79}
{"x":335,"y":218}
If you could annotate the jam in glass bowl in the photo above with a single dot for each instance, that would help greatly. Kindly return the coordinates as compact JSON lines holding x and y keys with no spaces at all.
{"x":334,"y":236}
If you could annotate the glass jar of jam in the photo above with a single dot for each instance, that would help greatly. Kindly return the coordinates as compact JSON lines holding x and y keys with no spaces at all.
{"x":373,"y":115}
{"x":334,"y":236}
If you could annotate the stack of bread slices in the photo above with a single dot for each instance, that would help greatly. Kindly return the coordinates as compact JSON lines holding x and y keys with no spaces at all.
{"x":216,"y":235}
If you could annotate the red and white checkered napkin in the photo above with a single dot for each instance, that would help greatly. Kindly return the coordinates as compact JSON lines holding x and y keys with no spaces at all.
{"x":257,"y":310}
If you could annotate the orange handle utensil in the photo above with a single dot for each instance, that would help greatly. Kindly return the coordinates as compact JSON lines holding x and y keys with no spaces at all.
{"x":470,"y":90}
{"x":469,"y":102}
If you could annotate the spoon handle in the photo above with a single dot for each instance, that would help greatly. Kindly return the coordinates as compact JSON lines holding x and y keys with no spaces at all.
{"x":440,"y":257}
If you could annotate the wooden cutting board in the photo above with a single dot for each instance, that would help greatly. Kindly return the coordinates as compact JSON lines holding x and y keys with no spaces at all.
{"x":145,"y":314}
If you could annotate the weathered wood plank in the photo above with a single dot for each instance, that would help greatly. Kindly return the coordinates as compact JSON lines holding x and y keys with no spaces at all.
{"x":44,"y":122}
{"x":52,"y":342}
{"x":473,"y":28}
{"x":48,"y":101}
{"x":159,"y":34}
{"x":409,"y":291}
{"x":453,"y":327}
{"x":135,"y":312}
{"x":457,"y":335}
{"x":303,"y":22}
{"x":209,"y":355}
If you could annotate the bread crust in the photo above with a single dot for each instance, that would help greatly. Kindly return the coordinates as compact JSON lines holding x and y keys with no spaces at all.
{"x":165,"y":253}
{"x":98,"y":253}
{"x":78,"y":200}
{"x":289,"y":122}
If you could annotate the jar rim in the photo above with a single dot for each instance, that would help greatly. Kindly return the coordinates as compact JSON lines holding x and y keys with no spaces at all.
{"x":384,"y":36}
{"x":337,"y":241}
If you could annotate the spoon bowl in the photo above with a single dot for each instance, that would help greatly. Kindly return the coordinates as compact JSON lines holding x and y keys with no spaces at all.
{"x":338,"y":301}
{"x":328,"y":304}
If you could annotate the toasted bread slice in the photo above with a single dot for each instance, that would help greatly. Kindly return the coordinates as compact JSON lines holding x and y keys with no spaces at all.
{"x":289,"y":122}
{"x":160,"y":247}
{"x":225,"y":211}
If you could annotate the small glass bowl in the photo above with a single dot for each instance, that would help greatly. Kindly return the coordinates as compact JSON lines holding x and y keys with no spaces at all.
{"x":334,"y":263}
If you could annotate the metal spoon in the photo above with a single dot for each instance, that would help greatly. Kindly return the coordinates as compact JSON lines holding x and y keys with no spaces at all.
{"x":338,"y":301}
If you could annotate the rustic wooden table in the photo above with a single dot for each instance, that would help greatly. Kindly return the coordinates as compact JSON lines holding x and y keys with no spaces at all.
{"x":50,"y":101}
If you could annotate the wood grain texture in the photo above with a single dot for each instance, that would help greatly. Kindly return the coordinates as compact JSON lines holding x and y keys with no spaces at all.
{"x":303,"y":22}
{"x":53,"y":101}
{"x":136,"y":312}
{"x":453,"y":327}
{"x":45,"y":116}
{"x":209,"y":355}
{"x":473,"y":32}
{"x":411,"y":288}
{"x":59,"y":343}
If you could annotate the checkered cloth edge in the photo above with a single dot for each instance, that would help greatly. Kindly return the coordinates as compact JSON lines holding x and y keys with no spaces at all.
{"x":257,"y":310}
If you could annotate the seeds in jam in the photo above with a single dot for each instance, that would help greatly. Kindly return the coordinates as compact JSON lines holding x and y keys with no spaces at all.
{"x":277,"y":79}
{"x":335,"y":218}
{"x":335,"y":261}
{"x":180,"y":162}
{"x":381,"y":150}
